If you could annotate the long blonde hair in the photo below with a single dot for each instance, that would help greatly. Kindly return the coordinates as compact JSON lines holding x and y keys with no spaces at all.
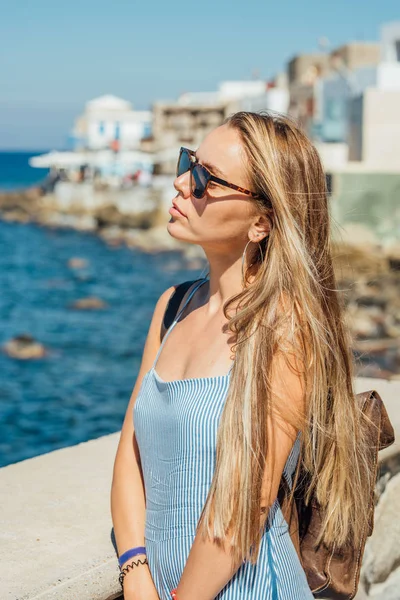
{"x":293,"y":291}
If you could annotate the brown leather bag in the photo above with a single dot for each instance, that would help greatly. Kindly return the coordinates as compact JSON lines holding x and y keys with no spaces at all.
{"x":334,"y":574}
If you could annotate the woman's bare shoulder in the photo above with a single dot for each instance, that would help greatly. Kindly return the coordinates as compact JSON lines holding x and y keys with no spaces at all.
{"x":153,"y":340}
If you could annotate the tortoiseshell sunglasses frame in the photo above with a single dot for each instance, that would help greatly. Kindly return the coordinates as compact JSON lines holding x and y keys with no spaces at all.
{"x":211,"y":177}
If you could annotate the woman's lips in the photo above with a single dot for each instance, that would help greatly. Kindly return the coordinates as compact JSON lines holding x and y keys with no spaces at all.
{"x":175,"y":211}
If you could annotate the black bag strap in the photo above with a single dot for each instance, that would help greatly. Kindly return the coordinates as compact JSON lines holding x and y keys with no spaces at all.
{"x":173,"y":305}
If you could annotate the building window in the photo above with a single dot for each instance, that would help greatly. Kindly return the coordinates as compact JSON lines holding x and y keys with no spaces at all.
{"x":117,"y":130}
{"x":334,"y":109}
{"x":101,"y":128}
{"x":397,"y":45}
{"x":147,"y":130}
{"x":328,"y":177}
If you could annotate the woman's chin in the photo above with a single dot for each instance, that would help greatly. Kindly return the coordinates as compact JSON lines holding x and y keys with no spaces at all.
{"x":176,"y":231}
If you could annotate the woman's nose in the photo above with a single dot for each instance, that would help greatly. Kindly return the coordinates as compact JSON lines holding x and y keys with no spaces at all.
{"x":182,"y":184}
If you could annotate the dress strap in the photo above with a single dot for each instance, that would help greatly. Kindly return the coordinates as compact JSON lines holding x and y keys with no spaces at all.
{"x":170,"y":328}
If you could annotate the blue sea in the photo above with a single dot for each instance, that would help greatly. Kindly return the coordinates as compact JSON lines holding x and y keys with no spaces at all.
{"x":81,"y":389}
{"x":16,"y":173}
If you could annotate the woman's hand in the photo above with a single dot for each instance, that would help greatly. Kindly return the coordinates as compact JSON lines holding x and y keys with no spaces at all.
{"x":139,"y":585}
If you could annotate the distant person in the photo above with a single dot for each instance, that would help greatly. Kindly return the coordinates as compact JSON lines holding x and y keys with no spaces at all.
{"x":63,"y":174}
{"x":83,"y":173}
{"x":49,"y":183}
{"x":209,"y":438}
{"x":96,"y":175}
{"x":136,"y":175}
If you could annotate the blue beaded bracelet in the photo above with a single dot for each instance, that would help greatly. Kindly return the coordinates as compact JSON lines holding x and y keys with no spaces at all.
{"x":130,"y":554}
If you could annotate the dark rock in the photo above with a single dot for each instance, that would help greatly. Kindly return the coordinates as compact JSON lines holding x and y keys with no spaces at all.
{"x":24,"y":347}
{"x":110,"y":215}
{"x":77,"y":263}
{"x":376,"y":300}
{"x":89,"y":303}
{"x":394,"y":264}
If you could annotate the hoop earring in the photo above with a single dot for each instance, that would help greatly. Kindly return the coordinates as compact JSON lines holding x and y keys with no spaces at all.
{"x":243,"y":258}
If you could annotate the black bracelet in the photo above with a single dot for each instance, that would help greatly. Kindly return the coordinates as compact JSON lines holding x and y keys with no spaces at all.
{"x":126,"y":569}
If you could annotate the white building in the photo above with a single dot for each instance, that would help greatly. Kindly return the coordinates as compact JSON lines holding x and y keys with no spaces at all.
{"x":253,"y":95}
{"x":228,"y":91}
{"x":356,"y":111}
{"x":390,"y":42}
{"x":236,"y":90}
{"x":274,"y":99}
{"x":374,"y":119}
{"x":109,"y":121}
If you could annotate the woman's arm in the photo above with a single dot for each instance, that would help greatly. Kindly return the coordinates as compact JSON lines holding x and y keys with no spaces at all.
{"x":128,"y":507}
{"x":208,"y":567}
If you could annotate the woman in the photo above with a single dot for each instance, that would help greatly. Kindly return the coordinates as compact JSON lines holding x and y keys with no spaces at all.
{"x":207,"y":440}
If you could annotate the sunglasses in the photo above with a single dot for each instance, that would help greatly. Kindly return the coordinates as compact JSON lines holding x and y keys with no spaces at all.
{"x":200,"y":176}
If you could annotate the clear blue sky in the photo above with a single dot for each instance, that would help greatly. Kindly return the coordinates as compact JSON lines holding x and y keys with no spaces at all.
{"x":57,"y":55}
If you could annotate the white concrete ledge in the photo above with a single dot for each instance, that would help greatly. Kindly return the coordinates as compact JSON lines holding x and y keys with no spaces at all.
{"x":55,"y":520}
{"x":55,"y":525}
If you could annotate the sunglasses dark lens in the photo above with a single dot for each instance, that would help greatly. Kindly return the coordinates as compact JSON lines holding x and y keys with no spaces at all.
{"x":183,"y":163}
{"x":200,"y":179}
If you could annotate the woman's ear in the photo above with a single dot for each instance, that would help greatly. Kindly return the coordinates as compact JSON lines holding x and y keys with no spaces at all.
{"x":263,"y":226}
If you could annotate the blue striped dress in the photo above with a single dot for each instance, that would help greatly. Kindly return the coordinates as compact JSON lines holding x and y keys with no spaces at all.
{"x":176,"y":426}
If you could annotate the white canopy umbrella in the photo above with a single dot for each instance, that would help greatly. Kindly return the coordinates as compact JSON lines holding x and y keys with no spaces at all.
{"x":101,"y":158}
{"x":59,"y":159}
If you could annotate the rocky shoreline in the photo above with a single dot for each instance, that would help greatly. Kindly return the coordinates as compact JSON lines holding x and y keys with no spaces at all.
{"x":370,"y":282}
{"x":144,"y":230}
{"x":368,"y":276}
